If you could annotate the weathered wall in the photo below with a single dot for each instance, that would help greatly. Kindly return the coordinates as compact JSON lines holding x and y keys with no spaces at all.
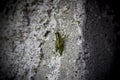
{"x":27,"y":40}
{"x":28,"y":52}
{"x":100,"y":38}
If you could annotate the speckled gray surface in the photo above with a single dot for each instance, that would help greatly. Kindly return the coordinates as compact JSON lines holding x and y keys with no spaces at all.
{"x":100,"y":39}
{"x":27,"y":39}
{"x":30,"y":51}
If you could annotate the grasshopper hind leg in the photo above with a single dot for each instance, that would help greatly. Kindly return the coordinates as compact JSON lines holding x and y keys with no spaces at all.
{"x":56,"y":48}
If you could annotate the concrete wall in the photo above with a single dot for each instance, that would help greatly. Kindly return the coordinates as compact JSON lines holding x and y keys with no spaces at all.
{"x":100,"y":38}
{"x":27,"y":40}
{"x":28,"y":50}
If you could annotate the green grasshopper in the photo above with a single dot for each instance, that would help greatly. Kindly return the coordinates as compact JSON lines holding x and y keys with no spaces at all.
{"x":59,"y":43}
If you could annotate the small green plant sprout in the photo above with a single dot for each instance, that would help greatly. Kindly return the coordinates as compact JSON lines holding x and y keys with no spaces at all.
{"x":59,"y":43}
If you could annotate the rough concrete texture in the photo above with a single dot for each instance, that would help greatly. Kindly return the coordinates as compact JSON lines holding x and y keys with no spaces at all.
{"x":99,"y":41}
{"x":27,"y":39}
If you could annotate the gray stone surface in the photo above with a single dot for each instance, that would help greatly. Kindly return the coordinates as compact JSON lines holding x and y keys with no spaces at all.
{"x":28,"y":53}
{"x":100,"y":38}
{"x":27,"y":40}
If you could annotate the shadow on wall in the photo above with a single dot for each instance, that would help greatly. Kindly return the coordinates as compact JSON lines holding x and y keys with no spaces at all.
{"x":2,"y":4}
{"x":102,"y":36}
{"x":115,"y":69}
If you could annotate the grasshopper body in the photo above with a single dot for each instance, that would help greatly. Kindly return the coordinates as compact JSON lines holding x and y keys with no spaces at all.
{"x":59,"y":44}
